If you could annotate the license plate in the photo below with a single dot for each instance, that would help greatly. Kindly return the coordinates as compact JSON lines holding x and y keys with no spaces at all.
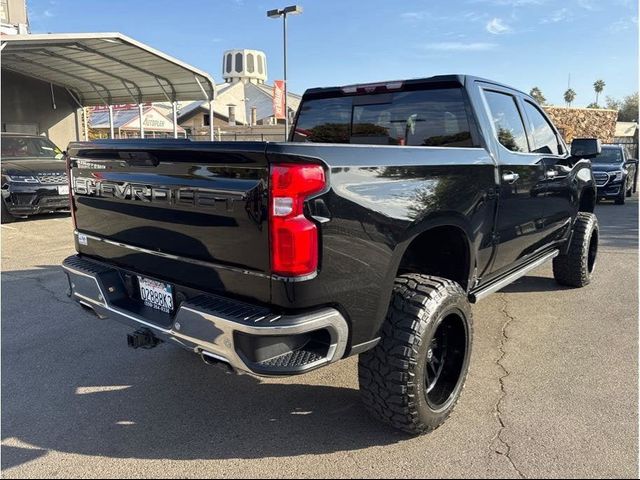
{"x":156,"y":295}
{"x":63,"y":190}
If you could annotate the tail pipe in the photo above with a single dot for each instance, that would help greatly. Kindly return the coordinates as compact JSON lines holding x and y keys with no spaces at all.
{"x":216,"y":360}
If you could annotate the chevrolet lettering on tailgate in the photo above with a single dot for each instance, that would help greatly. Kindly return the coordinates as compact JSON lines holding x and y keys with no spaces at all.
{"x":196,"y":197}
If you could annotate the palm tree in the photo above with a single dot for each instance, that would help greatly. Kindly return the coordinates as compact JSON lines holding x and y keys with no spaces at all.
{"x":598,"y":86}
{"x":569,"y":96}
{"x":537,"y":95}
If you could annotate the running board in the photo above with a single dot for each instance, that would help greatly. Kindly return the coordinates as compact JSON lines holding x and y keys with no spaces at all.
{"x":479,"y":294}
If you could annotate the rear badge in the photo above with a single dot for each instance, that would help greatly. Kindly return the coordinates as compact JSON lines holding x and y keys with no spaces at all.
{"x":82,"y":239}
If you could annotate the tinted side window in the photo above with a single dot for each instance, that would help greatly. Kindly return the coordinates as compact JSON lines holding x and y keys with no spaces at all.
{"x":435,"y":118}
{"x":507,"y":121}
{"x":544,"y":138}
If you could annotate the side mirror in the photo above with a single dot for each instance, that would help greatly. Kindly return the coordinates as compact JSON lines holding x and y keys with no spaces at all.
{"x":585,"y":147}
{"x":632,"y":161}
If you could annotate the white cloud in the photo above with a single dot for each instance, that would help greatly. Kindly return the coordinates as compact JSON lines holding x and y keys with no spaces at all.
{"x":510,"y":3}
{"x":590,"y":5}
{"x":413,"y":15}
{"x":623,"y":25}
{"x":560,"y":15}
{"x":496,"y":26}
{"x":460,"y":46}
{"x":475,"y":16}
{"x":425,"y":15}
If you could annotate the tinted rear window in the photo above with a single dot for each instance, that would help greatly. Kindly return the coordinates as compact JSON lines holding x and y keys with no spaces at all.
{"x":434,"y":118}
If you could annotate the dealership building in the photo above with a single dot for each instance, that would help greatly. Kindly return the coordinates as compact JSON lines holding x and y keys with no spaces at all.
{"x":78,"y":86}
{"x":156,"y":121}
{"x":243,"y":108}
{"x":244,"y":100}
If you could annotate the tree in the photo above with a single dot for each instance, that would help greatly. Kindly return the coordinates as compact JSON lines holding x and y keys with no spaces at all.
{"x":613,"y":104}
{"x":629,"y":110}
{"x":598,"y":86}
{"x":537,"y":95}
{"x":627,"y":107}
{"x":593,"y":105}
{"x":569,"y":96}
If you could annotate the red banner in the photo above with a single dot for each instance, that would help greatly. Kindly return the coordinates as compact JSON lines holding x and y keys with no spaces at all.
{"x":278,"y":99}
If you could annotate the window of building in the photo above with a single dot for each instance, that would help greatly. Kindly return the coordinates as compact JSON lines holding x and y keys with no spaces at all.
{"x":507,"y":121}
{"x":206,"y":120}
{"x":229,"y":60}
{"x":250,"y":63}
{"x":260,"y":69}
{"x":232,"y":114}
{"x":544,"y":138}
{"x":238,"y":62}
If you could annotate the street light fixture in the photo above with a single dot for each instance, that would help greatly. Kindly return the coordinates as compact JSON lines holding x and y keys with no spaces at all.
{"x":277,"y":13}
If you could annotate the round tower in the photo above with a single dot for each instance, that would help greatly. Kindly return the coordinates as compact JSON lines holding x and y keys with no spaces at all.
{"x":244,"y":66}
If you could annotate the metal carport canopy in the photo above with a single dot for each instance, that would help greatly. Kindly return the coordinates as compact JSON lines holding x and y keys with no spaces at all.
{"x":105,"y":68}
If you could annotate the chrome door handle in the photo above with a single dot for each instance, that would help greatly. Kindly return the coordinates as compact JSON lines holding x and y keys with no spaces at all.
{"x":551,"y":174}
{"x":510,"y":177}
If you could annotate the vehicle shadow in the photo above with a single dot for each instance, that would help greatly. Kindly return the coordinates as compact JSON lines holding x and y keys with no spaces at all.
{"x":41,"y":216}
{"x":70,"y":384}
{"x":618,"y":232}
{"x":618,"y":224}
{"x":534,"y":283}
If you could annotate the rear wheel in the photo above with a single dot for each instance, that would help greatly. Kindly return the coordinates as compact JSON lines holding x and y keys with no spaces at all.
{"x":575,"y":268}
{"x":6,"y":216}
{"x":413,"y":378}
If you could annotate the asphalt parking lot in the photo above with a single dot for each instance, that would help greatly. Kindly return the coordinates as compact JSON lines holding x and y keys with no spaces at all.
{"x":553,"y":388}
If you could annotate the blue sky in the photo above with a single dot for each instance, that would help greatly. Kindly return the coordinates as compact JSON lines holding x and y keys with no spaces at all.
{"x":519,"y":42}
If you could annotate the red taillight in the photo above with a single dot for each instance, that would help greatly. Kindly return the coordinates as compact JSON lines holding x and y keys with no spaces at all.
{"x":294,"y":238}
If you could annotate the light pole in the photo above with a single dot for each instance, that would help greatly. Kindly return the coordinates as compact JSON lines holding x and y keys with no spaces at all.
{"x":277,"y":13}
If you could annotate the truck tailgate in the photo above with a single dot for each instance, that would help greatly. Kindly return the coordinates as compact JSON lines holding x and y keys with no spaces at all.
{"x":194,"y":213}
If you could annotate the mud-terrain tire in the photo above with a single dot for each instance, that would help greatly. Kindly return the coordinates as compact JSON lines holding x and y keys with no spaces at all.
{"x":575,"y":268}
{"x":413,"y":377}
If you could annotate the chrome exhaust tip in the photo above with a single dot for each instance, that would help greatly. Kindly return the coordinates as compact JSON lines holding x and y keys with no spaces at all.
{"x":216,"y":361}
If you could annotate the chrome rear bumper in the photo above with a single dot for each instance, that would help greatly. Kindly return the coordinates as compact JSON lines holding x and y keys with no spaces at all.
{"x":249,"y":338}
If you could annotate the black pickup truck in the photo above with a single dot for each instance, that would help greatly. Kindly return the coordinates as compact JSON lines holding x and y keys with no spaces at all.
{"x":393,"y":208}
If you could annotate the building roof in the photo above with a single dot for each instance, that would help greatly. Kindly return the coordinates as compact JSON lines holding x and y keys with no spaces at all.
{"x":244,"y":96}
{"x":626,"y":129}
{"x":105,"y":68}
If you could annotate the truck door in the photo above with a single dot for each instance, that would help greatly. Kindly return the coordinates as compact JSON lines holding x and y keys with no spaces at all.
{"x":519,"y":229}
{"x":546,"y":143}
